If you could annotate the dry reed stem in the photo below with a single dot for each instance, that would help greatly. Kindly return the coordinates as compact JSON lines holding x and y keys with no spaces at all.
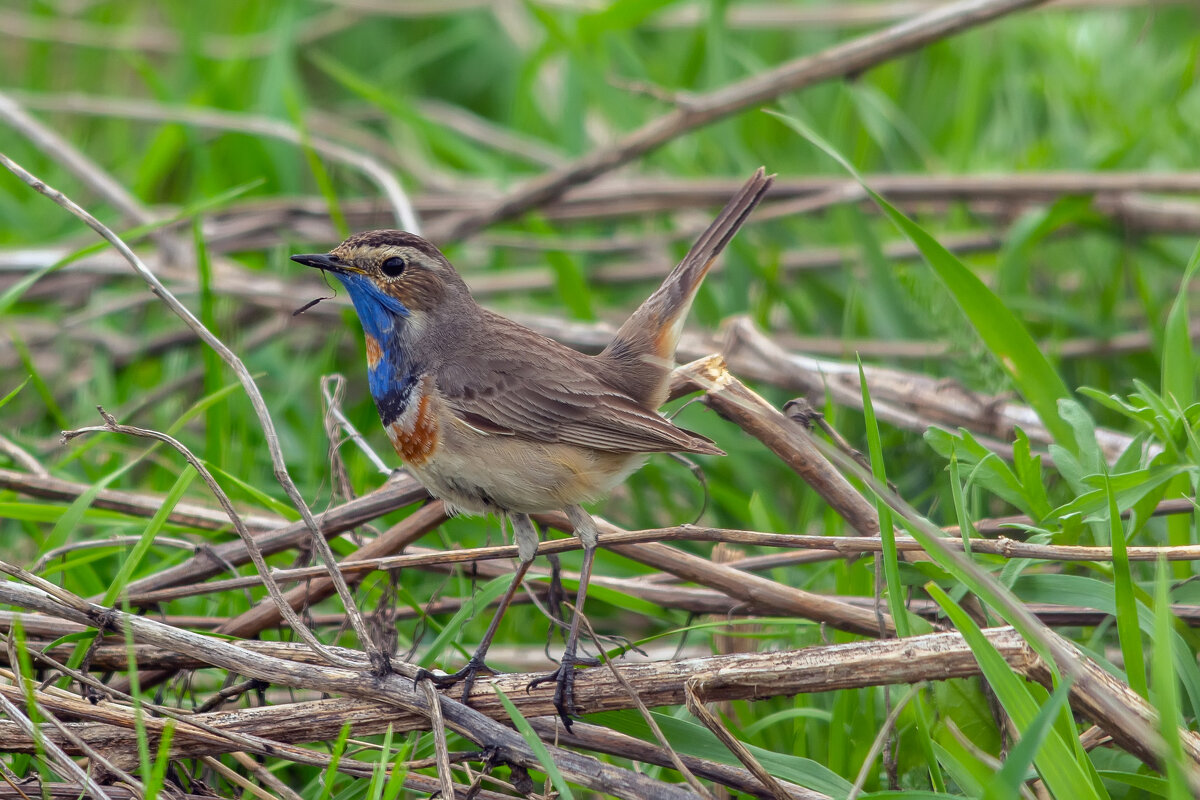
{"x":743,"y":676}
{"x":841,"y":60}
{"x":394,"y":689}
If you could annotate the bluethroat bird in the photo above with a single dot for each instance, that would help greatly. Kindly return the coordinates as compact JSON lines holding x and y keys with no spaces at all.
{"x":493,"y":417}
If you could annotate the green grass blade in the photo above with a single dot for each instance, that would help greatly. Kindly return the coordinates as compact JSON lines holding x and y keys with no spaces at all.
{"x":1055,"y":761}
{"x":398,"y":772}
{"x":1178,"y":360}
{"x":258,"y":495}
{"x":479,"y":601}
{"x":13,"y":293}
{"x":375,"y":787}
{"x":158,"y":772}
{"x":890,"y":559}
{"x":131,"y":563}
{"x":39,"y":383}
{"x":891,"y":570}
{"x":331,"y":771}
{"x":5,"y":400}
{"x":1007,"y":339}
{"x":1166,"y":688}
{"x":316,"y":166}
{"x":536,"y":745}
{"x":1008,"y":780}
{"x":1080,"y":590}
{"x":693,"y":739}
{"x":70,"y":519}
{"x":1127,"y":615}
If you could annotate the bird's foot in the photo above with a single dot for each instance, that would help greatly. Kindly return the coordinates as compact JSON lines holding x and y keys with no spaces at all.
{"x":564,"y":685}
{"x":475,"y":666}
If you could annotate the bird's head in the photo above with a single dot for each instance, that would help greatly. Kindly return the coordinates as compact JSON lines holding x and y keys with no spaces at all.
{"x":392,"y":276}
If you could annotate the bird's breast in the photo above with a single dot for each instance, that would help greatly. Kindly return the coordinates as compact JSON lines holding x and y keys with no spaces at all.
{"x":414,"y":429}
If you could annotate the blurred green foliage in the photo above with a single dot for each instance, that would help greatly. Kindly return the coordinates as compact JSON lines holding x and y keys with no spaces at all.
{"x":1084,"y":90}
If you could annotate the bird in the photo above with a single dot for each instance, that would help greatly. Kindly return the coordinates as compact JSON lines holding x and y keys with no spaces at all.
{"x":494,"y":418}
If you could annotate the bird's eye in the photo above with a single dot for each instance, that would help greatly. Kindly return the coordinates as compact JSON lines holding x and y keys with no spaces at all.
{"x":393,"y":266}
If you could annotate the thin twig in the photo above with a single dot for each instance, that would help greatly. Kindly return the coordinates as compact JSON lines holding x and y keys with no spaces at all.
{"x":397,"y":198}
{"x":48,"y":141}
{"x":237,"y":779}
{"x":266,"y":777}
{"x":55,"y":754}
{"x":64,"y":29}
{"x":843,"y":546}
{"x":390,"y":688}
{"x":813,"y":16}
{"x":114,"y":541}
{"x":880,"y":740}
{"x":247,"y":381}
{"x":22,"y":457}
{"x":256,"y":555}
{"x":676,"y":761}
{"x":331,"y":386}
{"x":440,"y":748}
{"x":695,"y":704}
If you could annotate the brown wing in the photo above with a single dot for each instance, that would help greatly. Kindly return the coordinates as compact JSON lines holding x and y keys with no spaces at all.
{"x":547,"y":392}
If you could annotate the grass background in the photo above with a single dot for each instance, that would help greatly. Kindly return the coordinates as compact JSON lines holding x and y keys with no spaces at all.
{"x":1087,"y":90}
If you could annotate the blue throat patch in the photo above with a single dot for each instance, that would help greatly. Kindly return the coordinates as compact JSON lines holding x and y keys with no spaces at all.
{"x":394,"y":377}
{"x":379,"y":313}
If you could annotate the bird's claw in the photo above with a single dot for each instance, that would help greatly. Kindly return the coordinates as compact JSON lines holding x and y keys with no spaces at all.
{"x":466,"y":676}
{"x":564,"y":686}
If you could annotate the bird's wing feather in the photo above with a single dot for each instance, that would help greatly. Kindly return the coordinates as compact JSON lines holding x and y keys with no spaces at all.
{"x":551,"y":394}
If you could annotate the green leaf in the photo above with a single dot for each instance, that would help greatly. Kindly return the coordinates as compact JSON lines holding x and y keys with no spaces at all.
{"x":258,"y":495}
{"x":693,"y":739}
{"x":1147,"y":783}
{"x":1030,"y":230}
{"x":887,"y":531}
{"x":158,"y":772}
{"x":963,"y":766}
{"x":316,"y":166}
{"x":399,"y":770}
{"x":895,"y":589}
{"x":375,"y":786}
{"x":1080,"y":590}
{"x":620,"y":15}
{"x":569,"y":277}
{"x":988,"y":469}
{"x":1127,"y":490}
{"x":1087,"y":449}
{"x":71,"y":518}
{"x":1028,"y":469}
{"x":13,"y":293}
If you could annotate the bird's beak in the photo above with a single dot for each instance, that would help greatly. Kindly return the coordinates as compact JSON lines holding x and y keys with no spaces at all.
{"x":323,"y":261}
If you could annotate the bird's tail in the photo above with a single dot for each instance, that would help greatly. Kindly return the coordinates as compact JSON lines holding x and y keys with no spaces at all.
{"x":644,"y":347}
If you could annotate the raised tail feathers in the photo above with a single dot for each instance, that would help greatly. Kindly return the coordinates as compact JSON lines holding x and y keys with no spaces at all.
{"x":644,"y":347}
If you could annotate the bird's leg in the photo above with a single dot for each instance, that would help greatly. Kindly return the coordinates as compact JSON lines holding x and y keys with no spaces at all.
{"x":564,"y":676}
{"x":527,"y":542}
